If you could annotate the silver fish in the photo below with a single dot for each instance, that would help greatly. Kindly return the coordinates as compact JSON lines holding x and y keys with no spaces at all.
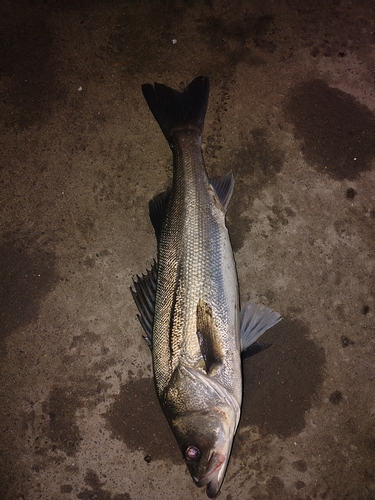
{"x":189,"y":300}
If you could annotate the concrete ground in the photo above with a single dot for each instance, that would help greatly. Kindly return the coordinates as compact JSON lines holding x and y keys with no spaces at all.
{"x":291,"y":112}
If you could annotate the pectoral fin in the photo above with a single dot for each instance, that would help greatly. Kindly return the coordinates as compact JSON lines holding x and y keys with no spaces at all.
{"x":255,"y":320}
{"x":208,"y":336}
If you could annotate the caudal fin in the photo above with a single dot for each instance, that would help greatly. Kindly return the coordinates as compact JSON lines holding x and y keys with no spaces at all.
{"x":175,"y":110}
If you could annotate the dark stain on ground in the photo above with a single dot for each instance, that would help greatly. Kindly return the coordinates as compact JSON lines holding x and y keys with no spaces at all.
{"x":274,"y":487}
{"x":350,"y":193}
{"x":135,"y":417}
{"x":257,"y":162}
{"x":97,"y":492}
{"x":329,"y":31}
{"x":60,"y":410}
{"x":336,"y":397}
{"x":27,"y":274}
{"x":337,"y":132}
{"x":365,"y":310}
{"x":84,"y":389}
{"x":240,"y":30}
{"x":28,"y":62}
{"x":232,"y":36}
{"x":66,"y":488}
{"x":300,"y":465}
{"x":280,"y":216}
{"x":280,"y":383}
{"x":254,"y":167}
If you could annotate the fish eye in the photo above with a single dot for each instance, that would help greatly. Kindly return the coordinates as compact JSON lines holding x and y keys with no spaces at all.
{"x":192,"y":453}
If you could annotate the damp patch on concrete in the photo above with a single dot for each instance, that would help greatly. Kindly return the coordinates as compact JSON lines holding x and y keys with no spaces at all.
{"x":238,"y":39}
{"x":27,"y":274}
{"x":336,"y":131}
{"x":96,"y":489}
{"x":280,"y":383}
{"x":62,"y":429}
{"x":254,"y":167}
{"x":135,"y":417}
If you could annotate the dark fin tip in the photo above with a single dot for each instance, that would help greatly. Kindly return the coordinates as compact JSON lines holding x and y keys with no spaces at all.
{"x":254,"y":349}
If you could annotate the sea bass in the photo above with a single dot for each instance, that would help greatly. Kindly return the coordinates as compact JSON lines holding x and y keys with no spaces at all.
{"x":189,"y":300}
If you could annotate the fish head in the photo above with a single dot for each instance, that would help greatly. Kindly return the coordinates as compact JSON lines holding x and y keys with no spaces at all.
{"x":205,"y":439}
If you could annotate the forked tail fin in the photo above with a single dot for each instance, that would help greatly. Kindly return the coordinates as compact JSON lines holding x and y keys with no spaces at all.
{"x":175,"y":110}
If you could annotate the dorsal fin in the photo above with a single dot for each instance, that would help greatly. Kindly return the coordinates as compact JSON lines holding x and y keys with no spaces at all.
{"x":224,"y":188}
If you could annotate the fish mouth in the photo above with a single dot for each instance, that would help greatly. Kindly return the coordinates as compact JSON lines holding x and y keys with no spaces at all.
{"x":211,"y":477}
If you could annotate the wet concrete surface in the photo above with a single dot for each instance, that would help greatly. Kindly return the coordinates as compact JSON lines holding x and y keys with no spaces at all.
{"x":292,"y":113}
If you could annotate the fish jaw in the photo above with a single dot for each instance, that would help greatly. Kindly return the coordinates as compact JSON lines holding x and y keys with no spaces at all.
{"x":211,"y":478}
{"x":217,"y":465}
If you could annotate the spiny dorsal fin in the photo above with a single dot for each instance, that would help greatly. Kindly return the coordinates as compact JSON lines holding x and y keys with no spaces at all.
{"x":224,"y":188}
{"x":208,"y":336}
{"x":144,"y":294}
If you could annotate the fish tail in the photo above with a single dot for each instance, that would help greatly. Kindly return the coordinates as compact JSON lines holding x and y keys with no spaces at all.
{"x":175,"y":110}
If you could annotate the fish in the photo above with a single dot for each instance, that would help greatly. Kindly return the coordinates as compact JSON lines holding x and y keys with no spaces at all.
{"x":188,"y":301}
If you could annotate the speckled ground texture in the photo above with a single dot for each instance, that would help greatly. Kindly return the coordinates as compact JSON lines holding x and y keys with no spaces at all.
{"x":292,"y":113}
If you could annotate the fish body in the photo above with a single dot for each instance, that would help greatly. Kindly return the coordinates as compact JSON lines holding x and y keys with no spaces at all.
{"x":189,"y":301}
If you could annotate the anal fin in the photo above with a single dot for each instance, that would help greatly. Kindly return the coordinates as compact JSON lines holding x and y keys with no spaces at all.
{"x":223,"y":187}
